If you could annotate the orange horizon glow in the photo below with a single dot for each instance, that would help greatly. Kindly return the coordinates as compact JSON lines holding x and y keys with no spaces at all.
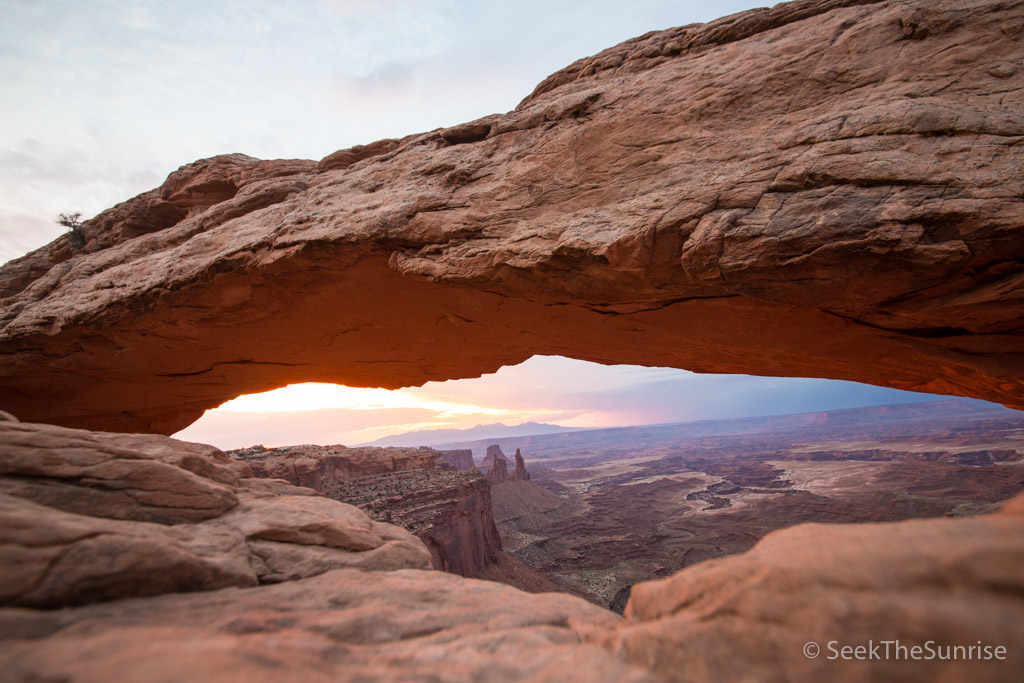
{"x":545,"y":389}
{"x":320,"y":396}
{"x":315,"y":405}
{"x":313,"y":412}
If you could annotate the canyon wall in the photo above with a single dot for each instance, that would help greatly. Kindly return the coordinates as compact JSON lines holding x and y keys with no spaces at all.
{"x":461,"y":459}
{"x":127,"y":557}
{"x":415,"y":488}
{"x":311,"y":466}
{"x":140,"y":558}
{"x":825,"y":188}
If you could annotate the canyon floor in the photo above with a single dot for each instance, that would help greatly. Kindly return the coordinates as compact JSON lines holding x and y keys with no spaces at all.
{"x":609,"y":508}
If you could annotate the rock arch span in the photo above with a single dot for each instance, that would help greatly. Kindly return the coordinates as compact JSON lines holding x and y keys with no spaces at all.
{"x":828,"y":188}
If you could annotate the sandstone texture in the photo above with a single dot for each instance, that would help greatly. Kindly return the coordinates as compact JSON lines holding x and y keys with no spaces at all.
{"x":944,"y":582}
{"x":414,"y":488}
{"x":616,"y":507}
{"x":498,"y":473}
{"x":344,"y":625}
{"x":461,"y":460}
{"x":312,"y":466}
{"x":288,"y":585}
{"x":491,"y":457}
{"x":827,"y":188}
{"x":824,"y":188}
{"x":88,"y":516}
{"x":520,"y":471}
{"x":131,"y":558}
{"x":495,"y":464}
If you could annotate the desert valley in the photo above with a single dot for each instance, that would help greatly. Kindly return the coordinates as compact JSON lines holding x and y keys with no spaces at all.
{"x":826,"y":189}
{"x":600,"y":510}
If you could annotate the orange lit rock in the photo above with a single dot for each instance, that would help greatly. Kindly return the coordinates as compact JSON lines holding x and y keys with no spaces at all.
{"x":414,"y":488}
{"x":826,"y":188}
{"x":342,"y":625}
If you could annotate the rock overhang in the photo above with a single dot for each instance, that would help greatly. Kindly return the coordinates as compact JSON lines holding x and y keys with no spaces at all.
{"x":743,"y":196}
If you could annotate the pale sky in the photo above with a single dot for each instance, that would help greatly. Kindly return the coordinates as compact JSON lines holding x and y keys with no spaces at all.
{"x":101,"y":99}
{"x":548,"y":389}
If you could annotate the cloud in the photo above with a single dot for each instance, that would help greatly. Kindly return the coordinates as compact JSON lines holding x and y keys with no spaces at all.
{"x":694,"y":397}
{"x":592,"y":395}
{"x":317,"y":396}
{"x":118,"y":95}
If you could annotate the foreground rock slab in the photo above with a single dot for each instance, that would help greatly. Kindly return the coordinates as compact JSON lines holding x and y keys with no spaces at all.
{"x":414,"y":488}
{"x":787,"y":608}
{"x":823,"y":188}
{"x":343,"y":625}
{"x":88,"y":516}
{"x":106,"y":574}
{"x":287,"y":585}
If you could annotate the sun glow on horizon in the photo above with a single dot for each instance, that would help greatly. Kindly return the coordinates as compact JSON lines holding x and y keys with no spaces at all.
{"x":315,"y":412}
{"x":547,"y":389}
{"x":319,"y":396}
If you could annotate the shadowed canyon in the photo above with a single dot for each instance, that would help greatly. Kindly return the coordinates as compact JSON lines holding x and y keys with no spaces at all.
{"x":825,"y":188}
{"x":609,"y":508}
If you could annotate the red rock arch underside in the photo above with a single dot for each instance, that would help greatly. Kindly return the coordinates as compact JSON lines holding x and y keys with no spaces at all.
{"x":821,"y":189}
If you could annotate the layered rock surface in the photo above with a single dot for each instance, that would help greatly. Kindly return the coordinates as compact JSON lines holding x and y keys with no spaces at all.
{"x":824,"y":188}
{"x":622,"y":506}
{"x":495,"y":465}
{"x":286,"y":585}
{"x":929,"y":584}
{"x":313,"y":466}
{"x":415,"y":488}
{"x":132,"y":527}
{"x":520,"y":472}
{"x":492,"y":455}
{"x":461,"y":459}
{"x":90,"y":516}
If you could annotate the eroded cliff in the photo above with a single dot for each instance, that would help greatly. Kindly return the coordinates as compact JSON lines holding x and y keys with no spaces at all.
{"x":168,"y":560}
{"x":171,"y":562}
{"x":415,"y":488}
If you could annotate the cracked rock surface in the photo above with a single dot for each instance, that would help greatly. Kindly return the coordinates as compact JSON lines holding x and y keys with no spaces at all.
{"x":91,"y":516}
{"x":103,"y":576}
{"x":287,"y":585}
{"x":824,"y":188}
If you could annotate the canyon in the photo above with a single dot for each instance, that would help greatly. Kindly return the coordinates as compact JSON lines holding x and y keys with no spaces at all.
{"x":826,"y":188}
{"x":615,"y":507}
{"x":438,"y":496}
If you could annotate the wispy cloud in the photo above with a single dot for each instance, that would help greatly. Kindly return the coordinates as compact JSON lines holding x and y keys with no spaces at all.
{"x":128,"y":92}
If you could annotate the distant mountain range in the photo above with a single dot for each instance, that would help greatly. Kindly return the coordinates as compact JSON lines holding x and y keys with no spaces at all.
{"x":498,"y":430}
{"x":554,"y":443}
{"x":537,"y":435}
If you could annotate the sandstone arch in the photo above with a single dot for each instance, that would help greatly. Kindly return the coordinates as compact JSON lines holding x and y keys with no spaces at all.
{"x":827,"y":188}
